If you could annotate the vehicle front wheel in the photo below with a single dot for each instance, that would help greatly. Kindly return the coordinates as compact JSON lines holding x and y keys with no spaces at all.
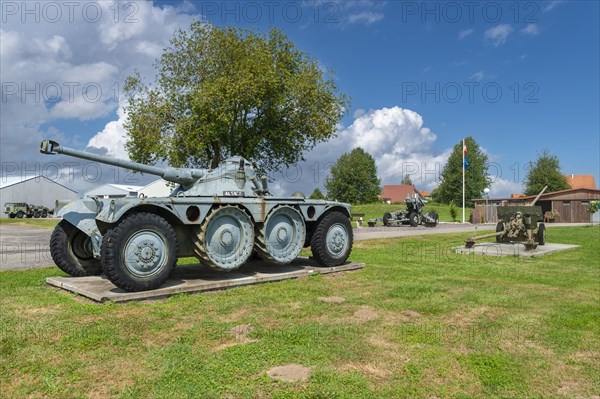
{"x":413,"y":219}
{"x":20,"y":214}
{"x":331,"y":242}
{"x":71,"y":250}
{"x":140,"y":252}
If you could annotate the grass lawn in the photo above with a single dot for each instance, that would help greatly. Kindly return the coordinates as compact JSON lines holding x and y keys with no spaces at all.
{"x":417,"y":322}
{"x":48,"y":223}
{"x":377,"y":210}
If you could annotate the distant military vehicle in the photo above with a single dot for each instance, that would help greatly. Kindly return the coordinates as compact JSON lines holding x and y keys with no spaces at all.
{"x":222,"y":216}
{"x":412,"y":215}
{"x":23,"y":210}
{"x":518,"y":224}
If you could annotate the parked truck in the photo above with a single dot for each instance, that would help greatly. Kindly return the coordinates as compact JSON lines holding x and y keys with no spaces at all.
{"x":22,"y":210}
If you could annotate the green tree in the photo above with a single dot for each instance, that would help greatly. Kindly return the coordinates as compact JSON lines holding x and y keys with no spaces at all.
{"x":407,"y":180}
{"x":225,"y":91}
{"x":317,"y":194}
{"x":476,"y":175}
{"x":354,"y":179}
{"x":545,"y":171}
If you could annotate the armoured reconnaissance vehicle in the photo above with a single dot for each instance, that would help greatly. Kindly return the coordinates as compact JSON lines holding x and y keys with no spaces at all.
{"x":518,"y":224}
{"x":413,"y":215}
{"x":222,"y":216}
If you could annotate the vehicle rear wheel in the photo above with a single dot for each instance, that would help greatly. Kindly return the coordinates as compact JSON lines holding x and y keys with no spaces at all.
{"x":20,"y":214}
{"x":413,"y":219}
{"x":331,"y":243}
{"x":140,"y":252}
{"x":37,"y":214}
{"x":44,"y":214}
{"x":541,"y":234}
{"x":499,"y":228}
{"x":71,"y":250}
{"x":11,"y":215}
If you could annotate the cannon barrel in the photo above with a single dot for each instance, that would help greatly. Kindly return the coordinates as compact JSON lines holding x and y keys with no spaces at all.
{"x":175,"y":175}
{"x":538,"y":196}
{"x":471,"y":240}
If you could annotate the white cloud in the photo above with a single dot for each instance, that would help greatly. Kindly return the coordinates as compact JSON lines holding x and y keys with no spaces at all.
{"x":552,"y":4}
{"x":503,"y":188}
{"x":464,"y":33}
{"x":112,"y":138}
{"x":498,"y":34}
{"x":365,"y":17}
{"x":531,"y":30}
{"x":477,"y":76}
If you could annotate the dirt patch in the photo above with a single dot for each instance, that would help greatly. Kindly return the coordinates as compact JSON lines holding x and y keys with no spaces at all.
{"x":241,"y":336}
{"x":411,"y":313}
{"x":331,"y":299}
{"x":290,"y":372}
{"x":335,"y":275}
{"x":365,"y":314}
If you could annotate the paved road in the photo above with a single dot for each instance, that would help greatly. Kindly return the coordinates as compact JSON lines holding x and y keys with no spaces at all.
{"x":24,"y":247}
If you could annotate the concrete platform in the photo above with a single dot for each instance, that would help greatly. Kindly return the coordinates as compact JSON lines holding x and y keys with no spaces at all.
{"x":196,"y":278}
{"x":513,"y":249}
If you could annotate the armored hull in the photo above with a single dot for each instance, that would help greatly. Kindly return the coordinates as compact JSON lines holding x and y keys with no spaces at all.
{"x":221,"y":216}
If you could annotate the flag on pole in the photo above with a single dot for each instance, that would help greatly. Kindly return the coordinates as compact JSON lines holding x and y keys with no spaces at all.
{"x":466,"y":164}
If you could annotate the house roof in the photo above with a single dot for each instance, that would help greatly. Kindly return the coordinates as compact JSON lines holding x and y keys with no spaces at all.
{"x":581,"y":181}
{"x":424,"y":193}
{"x":7,"y":181}
{"x":543,"y":196}
{"x":398,"y":192}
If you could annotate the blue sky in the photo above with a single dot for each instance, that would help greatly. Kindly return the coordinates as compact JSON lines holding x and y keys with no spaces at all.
{"x":520,"y":77}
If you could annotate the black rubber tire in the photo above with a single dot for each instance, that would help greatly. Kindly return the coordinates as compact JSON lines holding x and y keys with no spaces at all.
{"x":29,"y":216}
{"x":115,"y":241}
{"x":386,"y":218}
{"x":61,"y":249}
{"x":318,"y":243}
{"x":20,"y":215}
{"x":37,"y":214}
{"x":44,"y":214}
{"x":413,"y":219}
{"x":541,"y":234}
{"x":499,"y":228}
{"x":11,"y":215}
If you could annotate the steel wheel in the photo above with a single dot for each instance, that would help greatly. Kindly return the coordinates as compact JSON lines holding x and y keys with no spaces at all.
{"x":226,"y":238}
{"x":282,"y":236}
{"x":144,"y":253}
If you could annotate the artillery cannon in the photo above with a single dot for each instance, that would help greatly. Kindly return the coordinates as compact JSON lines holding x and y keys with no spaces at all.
{"x":413,"y":215}
{"x":518,"y":223}
{"x":222,"y":216}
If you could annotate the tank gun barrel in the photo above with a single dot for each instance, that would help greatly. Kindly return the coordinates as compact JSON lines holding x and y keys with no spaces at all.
{"x":175,"y":175}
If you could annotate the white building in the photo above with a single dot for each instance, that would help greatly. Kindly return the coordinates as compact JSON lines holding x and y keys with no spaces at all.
{"x":114,"y":191}
{"x":158,"y":188}
{"x":34,"y":190}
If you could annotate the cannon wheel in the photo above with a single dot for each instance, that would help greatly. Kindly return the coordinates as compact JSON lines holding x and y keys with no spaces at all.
{"x":140,"y":252}
{"x":332,"y":240}
{"x":499,"y":228}
{"x":413,"y":219}
{"x":386,"y":218}
{"x":71,"y":250}
{"x":541,"y":234}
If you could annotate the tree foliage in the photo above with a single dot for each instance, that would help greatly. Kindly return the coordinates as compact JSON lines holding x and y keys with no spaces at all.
{"x":317,"y":194}
{"x":220,"y":92}
{"x":476,"y":175}
{"x":354,"y":179}
{"x":545,"y":171}
{"x":407,"y":180}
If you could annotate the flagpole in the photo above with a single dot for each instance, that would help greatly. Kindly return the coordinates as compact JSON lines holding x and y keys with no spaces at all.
{"x":463,"y":181}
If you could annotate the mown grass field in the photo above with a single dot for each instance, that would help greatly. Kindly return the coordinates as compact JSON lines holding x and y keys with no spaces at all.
{"x":417,"y":322}
{"x":377,"y":210}
{"x":49,"y":223}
